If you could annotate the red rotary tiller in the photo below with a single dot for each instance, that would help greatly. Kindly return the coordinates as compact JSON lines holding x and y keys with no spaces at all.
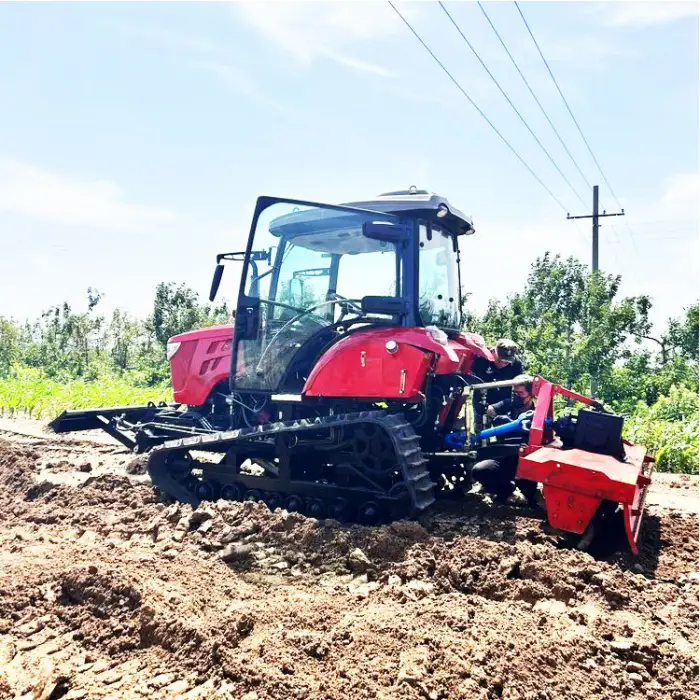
{"x":580,"y":481}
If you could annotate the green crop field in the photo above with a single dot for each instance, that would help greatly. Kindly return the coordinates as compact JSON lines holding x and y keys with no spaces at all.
{"x":30,"y":394}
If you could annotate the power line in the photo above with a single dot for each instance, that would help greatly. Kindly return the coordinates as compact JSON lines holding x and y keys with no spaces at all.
{"x":515,"y":109}
{"x":532,"y":92}
{"x":668,"y":234}
{"x":633,"y":238}
{"x":665,"y":222}
{"x":580,"y":131}
{"x":554,"y":80}
{"x":616,"y":244}
{"x":463,"y":91}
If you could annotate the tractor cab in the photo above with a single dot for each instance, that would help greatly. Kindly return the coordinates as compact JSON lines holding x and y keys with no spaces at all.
{"x":314,"y":272}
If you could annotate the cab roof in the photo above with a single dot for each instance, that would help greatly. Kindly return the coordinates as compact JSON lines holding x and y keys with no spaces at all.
{"x":420,"y":204}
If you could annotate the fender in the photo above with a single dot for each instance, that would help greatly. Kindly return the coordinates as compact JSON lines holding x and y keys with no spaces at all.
{"x":390,"y":363}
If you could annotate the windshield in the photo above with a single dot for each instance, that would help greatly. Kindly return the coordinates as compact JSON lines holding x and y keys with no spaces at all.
{"x":438,"y":287}
{"x":317,"y":269}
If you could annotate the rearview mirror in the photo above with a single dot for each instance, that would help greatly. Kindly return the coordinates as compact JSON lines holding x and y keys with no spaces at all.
{"x":218,"y":272}
{"x":385,"y":231}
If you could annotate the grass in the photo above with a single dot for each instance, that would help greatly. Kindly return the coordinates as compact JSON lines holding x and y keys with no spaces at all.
{"x":30,"y":394}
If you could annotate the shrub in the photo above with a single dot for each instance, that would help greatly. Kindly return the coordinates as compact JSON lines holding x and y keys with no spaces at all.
{"x":669,"y":429}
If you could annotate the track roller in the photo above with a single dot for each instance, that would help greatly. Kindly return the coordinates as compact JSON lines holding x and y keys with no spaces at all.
{"x":231,"y":492}
{"x":207,"y":490}
{"x":294,"y":504}
{"x":316,"y":508}
{"x":272,"y":500}
{"x":369,"y":513}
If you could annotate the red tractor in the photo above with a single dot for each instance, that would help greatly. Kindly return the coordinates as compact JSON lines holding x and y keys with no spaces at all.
{"x":340,"y":389}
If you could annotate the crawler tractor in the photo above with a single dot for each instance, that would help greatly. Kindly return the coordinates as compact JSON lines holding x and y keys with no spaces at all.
{"x":340,"y":389}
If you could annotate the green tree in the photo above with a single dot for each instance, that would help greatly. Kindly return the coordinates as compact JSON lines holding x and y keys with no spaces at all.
{"x":569,"y":323}
{"x":9,"y":345}
{"x":176,"y":309}
{"x":65,"y":343}
{"x":683,"y":333}
{"x":125,"y":338}
{"x":646,"y":374}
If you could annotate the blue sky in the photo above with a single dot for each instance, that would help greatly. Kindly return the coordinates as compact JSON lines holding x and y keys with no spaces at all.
{"x":135,"y":137}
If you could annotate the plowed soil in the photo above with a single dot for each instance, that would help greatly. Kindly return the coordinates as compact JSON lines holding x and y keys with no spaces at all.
{"x":108,"y":591}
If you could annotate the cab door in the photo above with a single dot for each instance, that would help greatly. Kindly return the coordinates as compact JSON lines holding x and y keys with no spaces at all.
{"x":326,"y":265}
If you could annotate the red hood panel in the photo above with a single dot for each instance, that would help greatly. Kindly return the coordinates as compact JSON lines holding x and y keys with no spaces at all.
{"x":202,"y":362}
{"x":204,"y":333}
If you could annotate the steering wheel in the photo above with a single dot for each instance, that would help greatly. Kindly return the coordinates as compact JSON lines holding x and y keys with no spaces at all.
{"x":299,"y":316}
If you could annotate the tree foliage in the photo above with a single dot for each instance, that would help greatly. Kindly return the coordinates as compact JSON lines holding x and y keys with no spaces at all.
{"x":67,"y":344}
{"x":176,"y":309}
{"x":571,"y":327}
{"x":568,"y":323}
{"x":9,"y":345}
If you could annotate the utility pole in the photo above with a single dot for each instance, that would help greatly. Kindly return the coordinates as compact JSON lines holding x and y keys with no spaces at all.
{"x":594,"y":251}
{"x":595,"y":216}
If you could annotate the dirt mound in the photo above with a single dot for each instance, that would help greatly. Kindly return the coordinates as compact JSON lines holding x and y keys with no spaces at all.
{"x":16,"y":469}
{"x":668,"y":547}
{"x":105,"y":591}
{"x":324,"y":545}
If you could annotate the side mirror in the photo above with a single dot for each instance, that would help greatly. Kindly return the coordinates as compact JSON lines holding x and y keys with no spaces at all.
{"x":385,"y":231}
{"x":218,"y":272}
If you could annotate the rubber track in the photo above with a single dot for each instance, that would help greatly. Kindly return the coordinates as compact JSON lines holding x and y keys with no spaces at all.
{"x":411,"y":462}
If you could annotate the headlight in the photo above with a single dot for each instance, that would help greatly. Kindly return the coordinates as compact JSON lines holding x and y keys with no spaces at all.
{"x":171,"y":349}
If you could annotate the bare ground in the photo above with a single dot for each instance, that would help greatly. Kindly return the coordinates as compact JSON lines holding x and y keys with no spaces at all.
{"x":105,"y":591}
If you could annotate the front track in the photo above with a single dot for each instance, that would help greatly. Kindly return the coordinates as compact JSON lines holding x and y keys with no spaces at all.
{"x":366,"y":466}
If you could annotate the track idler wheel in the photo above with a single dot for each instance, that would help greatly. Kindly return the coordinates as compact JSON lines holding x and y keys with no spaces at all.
{"x":373,"y":449}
